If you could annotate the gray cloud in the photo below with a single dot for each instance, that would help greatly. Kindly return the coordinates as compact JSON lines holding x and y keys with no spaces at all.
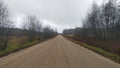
{"x":62,"y":13}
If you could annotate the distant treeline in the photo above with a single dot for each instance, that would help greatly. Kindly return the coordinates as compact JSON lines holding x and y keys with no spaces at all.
{"x":17,"y":32}
{"x":69,"y":31}
{"x":31,"y":30}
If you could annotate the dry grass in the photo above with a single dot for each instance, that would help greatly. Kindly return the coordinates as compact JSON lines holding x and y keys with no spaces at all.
{"x":17,"y":43}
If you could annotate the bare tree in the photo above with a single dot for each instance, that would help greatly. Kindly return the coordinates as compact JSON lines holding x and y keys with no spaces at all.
{"x":102,"y":22}
{"x":109,"y":11}
{"x":5,"y":25}
{"x":33,"y":26}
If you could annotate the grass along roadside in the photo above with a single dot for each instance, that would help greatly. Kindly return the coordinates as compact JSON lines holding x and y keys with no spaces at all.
{"x":112,"y":56}
{"x":15,"y":48}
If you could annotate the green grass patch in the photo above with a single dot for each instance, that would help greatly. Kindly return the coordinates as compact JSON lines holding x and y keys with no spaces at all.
{"x":112,"y":56}
{"x":14,"y":48}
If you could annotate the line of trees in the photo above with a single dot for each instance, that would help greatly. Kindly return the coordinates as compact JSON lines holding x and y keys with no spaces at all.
{"x":102,"y":22}
{"x":32,"y":28}
{"x":101,"y":27}
{"x":35,"y":30}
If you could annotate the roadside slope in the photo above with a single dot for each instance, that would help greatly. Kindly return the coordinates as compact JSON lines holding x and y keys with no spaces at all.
{"x":56,"y":53}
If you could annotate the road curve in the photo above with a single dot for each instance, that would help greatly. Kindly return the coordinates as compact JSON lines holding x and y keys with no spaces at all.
{"x":56,"y":53}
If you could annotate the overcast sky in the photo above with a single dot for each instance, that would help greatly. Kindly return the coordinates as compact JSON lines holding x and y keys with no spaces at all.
{"x":57,"y":13}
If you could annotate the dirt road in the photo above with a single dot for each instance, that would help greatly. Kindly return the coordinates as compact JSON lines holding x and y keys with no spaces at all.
{"x":56,"y":53}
